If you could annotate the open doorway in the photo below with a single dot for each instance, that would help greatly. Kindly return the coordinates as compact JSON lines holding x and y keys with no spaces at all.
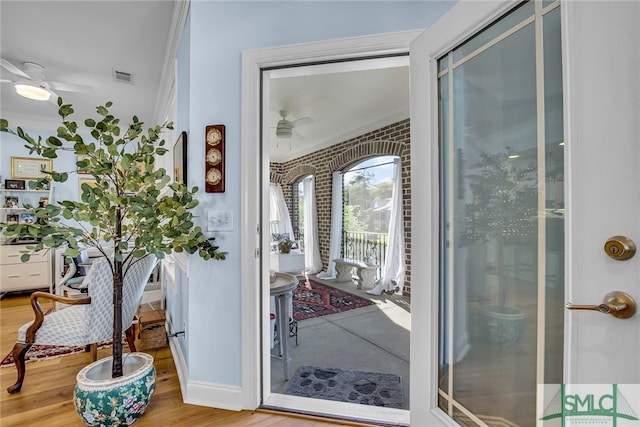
{"x":309,"y":156}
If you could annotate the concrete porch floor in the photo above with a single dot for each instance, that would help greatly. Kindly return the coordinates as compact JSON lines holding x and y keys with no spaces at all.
{"x":373,"y":338}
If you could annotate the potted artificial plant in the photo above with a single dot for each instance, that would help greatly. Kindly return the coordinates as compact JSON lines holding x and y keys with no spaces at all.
{"x":132,"y":209}
{"x":502,"y":210}
{"x":285,"y":246}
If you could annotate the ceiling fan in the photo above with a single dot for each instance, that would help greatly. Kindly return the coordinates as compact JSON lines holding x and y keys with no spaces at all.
{"x":31,"y":83}
{"x":285,"y":128}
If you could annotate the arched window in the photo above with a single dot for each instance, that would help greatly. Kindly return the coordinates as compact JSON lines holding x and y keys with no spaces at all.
{"x":367,"y":190}
{"x":297,"y":193}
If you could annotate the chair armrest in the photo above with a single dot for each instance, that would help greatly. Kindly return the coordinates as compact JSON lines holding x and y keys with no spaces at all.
{"x":58,"y":298}
{"x":37,"y":309}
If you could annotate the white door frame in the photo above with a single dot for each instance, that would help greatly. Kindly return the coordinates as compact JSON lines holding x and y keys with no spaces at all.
{"x":255,"y":182}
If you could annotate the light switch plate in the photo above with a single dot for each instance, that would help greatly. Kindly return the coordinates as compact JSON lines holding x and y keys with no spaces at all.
{"x":220,"y":221}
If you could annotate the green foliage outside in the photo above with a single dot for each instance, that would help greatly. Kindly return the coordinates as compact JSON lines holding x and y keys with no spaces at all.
{"x":360,"y":196}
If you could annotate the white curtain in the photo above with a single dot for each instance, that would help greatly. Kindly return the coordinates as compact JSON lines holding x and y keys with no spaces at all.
{"x":278,"y":212}
{"x":394,"y":267}
{"x":312,"y":260}
{"x":336,"y":226}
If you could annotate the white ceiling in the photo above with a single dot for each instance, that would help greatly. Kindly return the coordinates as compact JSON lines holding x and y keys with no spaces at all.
{"x":344,"y":100}
{"x":82,"y":42}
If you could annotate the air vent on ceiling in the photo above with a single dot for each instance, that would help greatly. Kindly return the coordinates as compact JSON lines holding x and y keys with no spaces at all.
{"x":122,"y":76}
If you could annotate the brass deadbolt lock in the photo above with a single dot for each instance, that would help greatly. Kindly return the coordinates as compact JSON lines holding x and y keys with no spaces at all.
{"x":620,"y":248}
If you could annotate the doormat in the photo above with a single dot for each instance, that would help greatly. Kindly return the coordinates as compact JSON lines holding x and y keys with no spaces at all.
{"x":46,"y":352}
{"x":320,"y":300}
{"x":365,"y":388}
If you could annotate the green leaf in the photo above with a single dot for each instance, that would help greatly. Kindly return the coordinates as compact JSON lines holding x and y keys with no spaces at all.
{"x":53,"y":141}
{"x":113,"y":149}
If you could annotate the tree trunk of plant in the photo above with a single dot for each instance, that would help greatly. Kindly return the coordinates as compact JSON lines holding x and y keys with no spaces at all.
{"x":117,"y":320}
{"x":117,"y":301}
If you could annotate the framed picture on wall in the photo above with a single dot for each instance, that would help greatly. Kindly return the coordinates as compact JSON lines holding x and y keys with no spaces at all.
{"x":180,"y":159}
{"x":11,"y":201}
{"x":29,"y":168}
{"x":27,"y":218}
{"x":14,"y":184}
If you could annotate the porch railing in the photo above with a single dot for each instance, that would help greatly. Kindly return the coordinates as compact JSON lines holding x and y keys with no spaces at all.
{"x":370,"y":248}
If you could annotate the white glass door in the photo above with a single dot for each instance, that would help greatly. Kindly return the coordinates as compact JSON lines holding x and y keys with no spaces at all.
{"x":502,"y":218}
{"x":489,"y":143}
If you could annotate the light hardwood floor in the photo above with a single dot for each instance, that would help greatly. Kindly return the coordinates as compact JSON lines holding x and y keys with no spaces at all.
{"x":46,"y":396}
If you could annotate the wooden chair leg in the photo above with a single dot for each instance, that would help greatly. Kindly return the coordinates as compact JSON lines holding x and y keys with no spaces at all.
{"x":93,"y":348}
{"x":131,"y":337}
{"x":19,"y":351}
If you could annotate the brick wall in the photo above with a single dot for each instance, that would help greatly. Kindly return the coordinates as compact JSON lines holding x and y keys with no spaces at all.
{"x":389,"y":140}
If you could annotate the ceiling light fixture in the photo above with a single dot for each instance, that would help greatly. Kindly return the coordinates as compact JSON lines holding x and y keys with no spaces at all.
{"x":284,"y":130}
{"x":33,"y":91}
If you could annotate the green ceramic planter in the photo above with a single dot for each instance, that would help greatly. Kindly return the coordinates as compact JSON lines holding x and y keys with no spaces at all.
{"x":104,"y":401}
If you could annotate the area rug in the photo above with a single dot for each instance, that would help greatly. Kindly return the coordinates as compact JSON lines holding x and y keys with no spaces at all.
{"x":365,"y":388}
{"x":45,"y":352}
{"x":314,"y":299}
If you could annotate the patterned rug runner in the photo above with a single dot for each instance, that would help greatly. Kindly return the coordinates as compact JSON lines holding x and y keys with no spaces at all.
{"x":365,"y":388}
{"x":44,"y":352}
{"x":320,"y":300}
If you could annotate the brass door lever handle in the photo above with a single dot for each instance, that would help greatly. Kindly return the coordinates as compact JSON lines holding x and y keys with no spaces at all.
{"x":616,"y":303}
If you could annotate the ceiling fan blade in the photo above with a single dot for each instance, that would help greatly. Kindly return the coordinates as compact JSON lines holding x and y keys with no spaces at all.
{"x":53,"y":98}
{"x":13,"y":69}
{"x":7,"y":81}
{"x":302,"y":121}
{"x":70,"y":87}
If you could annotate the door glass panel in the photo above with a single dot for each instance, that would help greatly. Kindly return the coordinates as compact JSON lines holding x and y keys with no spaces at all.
{"x":554,"y":198}
{"x":498,"y":273}
{"x":503,"y":24}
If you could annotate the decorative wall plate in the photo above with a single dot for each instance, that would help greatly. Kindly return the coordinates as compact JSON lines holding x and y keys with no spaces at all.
{"x":214,"y":176}
{"x":214,"y":158}
{"x":214,"y":136}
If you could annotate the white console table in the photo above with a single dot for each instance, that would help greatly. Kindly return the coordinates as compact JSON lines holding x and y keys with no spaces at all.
{"x":292,"y":262}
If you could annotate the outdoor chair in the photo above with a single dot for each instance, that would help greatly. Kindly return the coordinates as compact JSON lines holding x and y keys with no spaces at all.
{"x":89,"y":318}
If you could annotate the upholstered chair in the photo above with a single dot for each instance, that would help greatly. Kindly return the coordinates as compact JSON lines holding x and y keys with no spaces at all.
{"x":88,"y":319}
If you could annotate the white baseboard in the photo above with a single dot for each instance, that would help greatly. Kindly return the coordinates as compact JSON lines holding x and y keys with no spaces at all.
{"x":179,"y":362}
{"x":204,"y":393}
{"x":214,"y":395}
